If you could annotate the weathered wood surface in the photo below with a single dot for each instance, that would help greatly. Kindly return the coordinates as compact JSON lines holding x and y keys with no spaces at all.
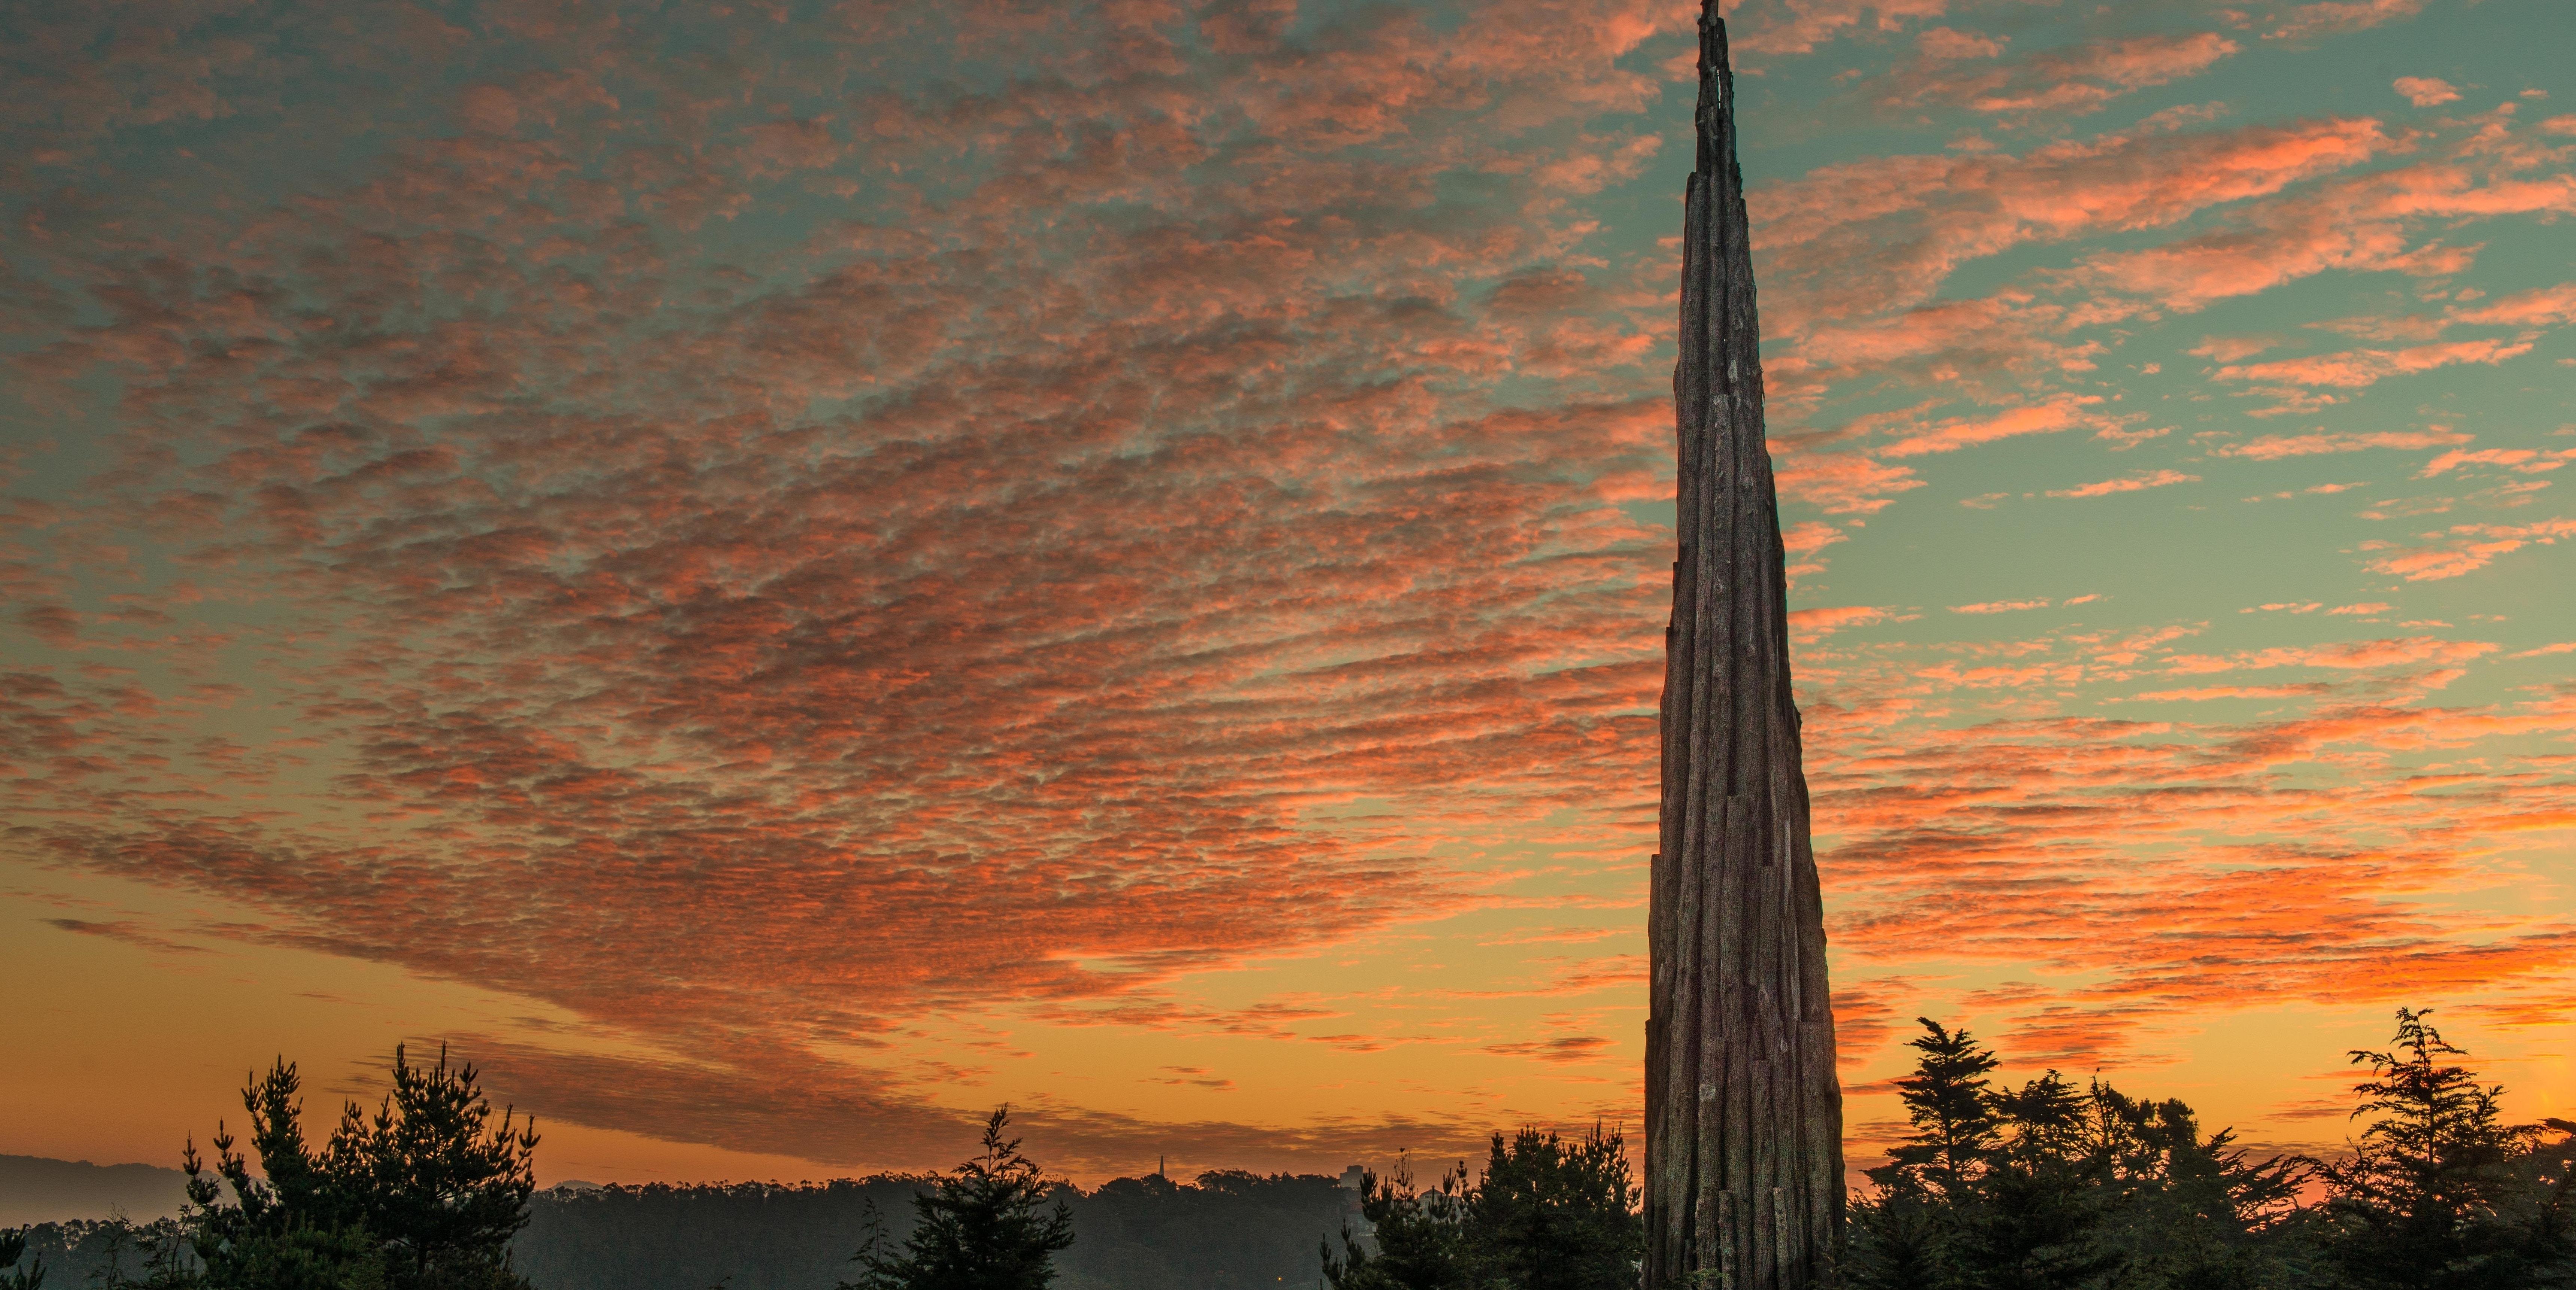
{"x":1744,"y":1162}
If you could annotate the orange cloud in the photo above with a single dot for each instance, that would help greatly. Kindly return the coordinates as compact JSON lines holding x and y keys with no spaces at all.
{"x":2275,"y":447}
{"x":2354,"y":222}
{"x":2361,"y":367}
{"x":1810,"y":537}
{"x":1810,"y":624}
{"x":2466,"y":548}
{"x":1861,"y":238}
{"x":2336,"y":17}
{"x":2522,"y":460}
{"x":1962,"y":432}
{"x":1844,"y":483}
{"x":2426,"y":91}
{"x":2346,"y":656}
{"x":2071,"y":81}
{"x":2134,"y":483}
{"x":2539,"y":307}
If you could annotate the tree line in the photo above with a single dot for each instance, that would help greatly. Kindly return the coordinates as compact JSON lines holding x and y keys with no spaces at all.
{"x":2051,"y":1186}
{"x":423,"y":1194}
{"x":2044,"y":1186}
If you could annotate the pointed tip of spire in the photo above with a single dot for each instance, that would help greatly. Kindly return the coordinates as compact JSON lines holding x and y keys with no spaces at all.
{"x":1716,"y":72}
{"x":1716,"y":89}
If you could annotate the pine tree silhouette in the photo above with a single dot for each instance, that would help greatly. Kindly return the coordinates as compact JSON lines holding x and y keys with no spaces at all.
{"x":983,"y":1227}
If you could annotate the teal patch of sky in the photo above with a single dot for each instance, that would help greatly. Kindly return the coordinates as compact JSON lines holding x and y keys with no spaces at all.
{"x":2129,"y":545}
{"x":2490,"y":50}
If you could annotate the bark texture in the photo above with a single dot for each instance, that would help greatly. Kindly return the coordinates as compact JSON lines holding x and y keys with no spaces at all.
{"x":1744,"y":1161}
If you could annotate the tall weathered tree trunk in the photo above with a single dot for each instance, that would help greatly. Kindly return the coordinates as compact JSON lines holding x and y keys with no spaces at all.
{"x":1744,"y":1160}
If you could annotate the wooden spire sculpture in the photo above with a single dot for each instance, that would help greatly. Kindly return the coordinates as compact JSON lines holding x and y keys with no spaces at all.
{"x":1744,"y":1161}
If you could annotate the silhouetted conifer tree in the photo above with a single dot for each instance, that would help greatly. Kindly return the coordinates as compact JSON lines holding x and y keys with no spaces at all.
{"x":423,"y":1195}
{"x":1556,"y":1215}
{"x":1548,"y":1214}
{"x":2031,"y":1215}
{"x":2439,"y":1192}
{"x":2051,"y":1186}
{"x":983,"y":1227}
{"x":1952,"y":1109}
{"x":13,"y":1251}
{"x":2184,"y":1210}
{"x":435,"y":1178}
{"x":1420,"y":1236}
{"x":1900,"y":1237}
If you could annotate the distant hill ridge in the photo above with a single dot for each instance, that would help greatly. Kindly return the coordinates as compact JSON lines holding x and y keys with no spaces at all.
{"x":35,"y":1189}
{"x":1231,"y":1230}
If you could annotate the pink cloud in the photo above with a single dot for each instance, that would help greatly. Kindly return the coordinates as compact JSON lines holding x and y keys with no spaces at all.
{"x":2061,"y":414}
{"x":2230,"y":349}
{"x":2539,"y":307}
{"x":2360,"y":367}
{"x":2276,"y":447}
{"x":1950,"y":45}
{"x":2355,"y":222}
{"x":2467,"y":548}
{"x":2521,"y":460}
{"x":2337,"y":17}
{"x":2425,"y":91}
{"x":1809,"y":624}
{"x":2206,"y":693}
{"x":2134,"y":483}
{"x":1844,"y":483}
{"x":1810,"y":537}
{"x":2345,"y":656}
{"x":2000,"y":606}
{"x":2057,"y":82}
{"x":1867,"y":237}
{"x":1780,"y":27}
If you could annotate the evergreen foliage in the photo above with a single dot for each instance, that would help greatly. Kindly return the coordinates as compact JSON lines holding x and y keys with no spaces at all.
{"x":983,"y":1227}
{"x":1547,"y":1214}
{"x":13,"y":1250}
{"x":425,"y":1194}
{"x":2051,"y":1186}
{"x":1556,"y":1215}
{"x":2439,"y":1192}
{"x":1420,"y":1235}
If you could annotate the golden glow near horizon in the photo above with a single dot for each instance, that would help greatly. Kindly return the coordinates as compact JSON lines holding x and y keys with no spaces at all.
{"x":778,"y":585}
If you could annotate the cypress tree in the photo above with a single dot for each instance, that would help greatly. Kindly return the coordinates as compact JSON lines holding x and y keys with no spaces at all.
{"x":983,"y":1227}
{"x":2431,"y":1197}
{"x":425,"y":1194}
{"x":1421,"y":1236}
{"x":1550,"y":1214}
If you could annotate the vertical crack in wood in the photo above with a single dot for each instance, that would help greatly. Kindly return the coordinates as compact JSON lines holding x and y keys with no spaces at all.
{"x":1744,"y":1171}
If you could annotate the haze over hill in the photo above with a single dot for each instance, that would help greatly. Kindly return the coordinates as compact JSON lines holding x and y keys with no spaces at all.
{"x":1229,"y":1230}
{"x":34,"y":1189}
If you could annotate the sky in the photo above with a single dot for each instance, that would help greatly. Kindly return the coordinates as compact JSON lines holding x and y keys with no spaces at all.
{"x":781,"y":575}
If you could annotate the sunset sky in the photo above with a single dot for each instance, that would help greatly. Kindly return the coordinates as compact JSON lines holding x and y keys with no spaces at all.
{"x":782,"y":575}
